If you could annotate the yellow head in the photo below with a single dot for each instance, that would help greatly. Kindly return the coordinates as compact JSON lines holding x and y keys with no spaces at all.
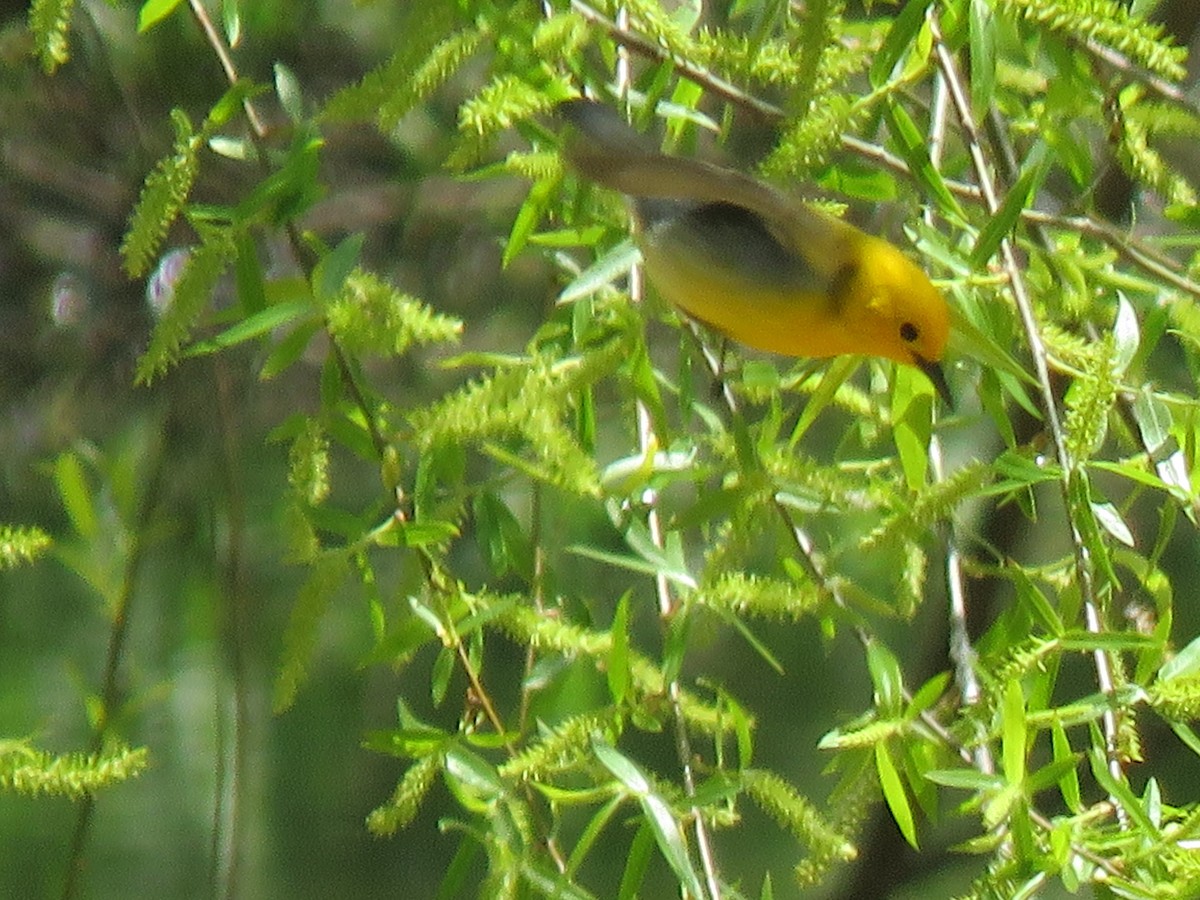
{"x":893,"y":310}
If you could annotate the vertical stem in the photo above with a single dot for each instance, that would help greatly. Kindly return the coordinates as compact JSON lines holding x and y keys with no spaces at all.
{"x":961,"y":651}
{"x":1037,"y":349}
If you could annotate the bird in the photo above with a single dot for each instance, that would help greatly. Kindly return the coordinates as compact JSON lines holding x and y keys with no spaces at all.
{"x":765,"y":269}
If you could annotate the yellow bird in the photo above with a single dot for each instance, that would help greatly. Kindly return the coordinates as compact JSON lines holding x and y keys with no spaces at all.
{"x":764,"y":269}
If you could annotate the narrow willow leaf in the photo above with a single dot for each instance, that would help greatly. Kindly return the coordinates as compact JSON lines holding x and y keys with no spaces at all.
{"x":300,"y":635}
{"x":617,"y":671}
{"x":912,"y":424}
{"x":657,"y":814}
{"x":1119,"y":789}
{"x":153,"y":12}
{"x":459,"y":869}
{"x":1068,"y":784}
{"x":250,"y":327}
{"x":291,"y":95}
{"x":900,"y":39}
{"x":967,"y":779}
{"x":334,"y":267}
{"x":591,"y":831}
{"x":982,"y":41}
{"x":1088,"y":641}
{"x":1112,"y":522}
{"x":1013,"y":733}
{"x":231,"y":19}
{"x":894,"y":794}
{"x":836,"y":374}
{"x":636,"y":864}
{"x":1029,"y":595}
{"x":614,"y":264}
{"x":285,"y":353}
{"x":999,"y":226}
{"x":75,"y":494}
{"x":531,"y":213}
{"x":886,"y":678}
{"x":1184,"y":664}
{"x":911,"y":143}
{"x":1126,"y":336}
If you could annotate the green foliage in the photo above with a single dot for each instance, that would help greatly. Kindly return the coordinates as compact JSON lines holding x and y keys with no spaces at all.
{"x":27,"y":770}
{"x":190,"y":295}
{"x":48,"y":22}
{"x":369,"y":316}
{"x":795,"y":813}
{"x":622,"y":468}
{"x":1106,"y":22}
{"x":163,"y":196}
{"x":21,"y":544}
{"x":412,"y":75}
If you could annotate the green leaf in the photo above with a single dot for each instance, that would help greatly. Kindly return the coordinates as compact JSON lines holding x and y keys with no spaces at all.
{"x":248,"y":272}
{"x":839,"y":370}
{"x":649,"y":563}
{"x":894,"y":794}
{"x":153,"y":12}
{"x":913,"y":146}
{"x":476,"y":780}
{"x":75,"y":494}
{"x":1068,"y":783}
{"x":459,"y":869}
{"x":1184,"y":664}
{"x":900,"y":39}
{"x":657,"y":813}
{"x":291,"y":96}
{"x":887,"y":679}
{"x":1078,"y":639}
{"x":251,"y":327}
{"x":532,"y":211}
{"x":998,"y":226}
{"x":912,"y":424}
{"x":231,"y":19}
{"x":1035,"y":601}
{"x":1126,"y":336}
{"x":982,"y":39}
{"x":1013,"y":733}
{"x":636,"y":864}
{"x":614,"y":264}
{"x":1119,"y":790}
{"x":285,"y":353}
{"x":332,"y":270}
{"x":967,"y":779}
{"x":617,"y":672}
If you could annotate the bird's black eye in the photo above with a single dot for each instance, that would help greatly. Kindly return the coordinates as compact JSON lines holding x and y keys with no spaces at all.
{"x":909,"y":332}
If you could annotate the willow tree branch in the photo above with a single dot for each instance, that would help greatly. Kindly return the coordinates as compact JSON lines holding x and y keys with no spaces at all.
{"x":1083,"y":564}
{"x":1130,"y":249}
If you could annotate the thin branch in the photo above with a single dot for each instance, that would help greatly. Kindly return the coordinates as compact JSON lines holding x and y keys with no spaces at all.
{"x":960,"y":649}
{"x":258,"y":135}
{"x":110,"y":690}
{"x":1131,"y":72}
{"x":638,"y":44}
{"x":226,"y":59}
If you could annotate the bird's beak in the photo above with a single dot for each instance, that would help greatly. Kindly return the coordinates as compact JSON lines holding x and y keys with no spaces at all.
{"x":933,"y":371}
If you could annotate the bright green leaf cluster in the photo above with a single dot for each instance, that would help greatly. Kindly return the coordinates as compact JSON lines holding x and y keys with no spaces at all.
{"x":26,"y":770}
{"x":369,"y":316}
{"x":21,"y":544}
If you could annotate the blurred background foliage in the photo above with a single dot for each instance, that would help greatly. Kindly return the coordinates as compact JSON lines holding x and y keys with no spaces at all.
{"x":182,"y":524}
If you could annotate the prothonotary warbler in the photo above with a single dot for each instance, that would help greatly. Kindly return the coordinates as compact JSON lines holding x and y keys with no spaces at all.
{"x":751,"y":263}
